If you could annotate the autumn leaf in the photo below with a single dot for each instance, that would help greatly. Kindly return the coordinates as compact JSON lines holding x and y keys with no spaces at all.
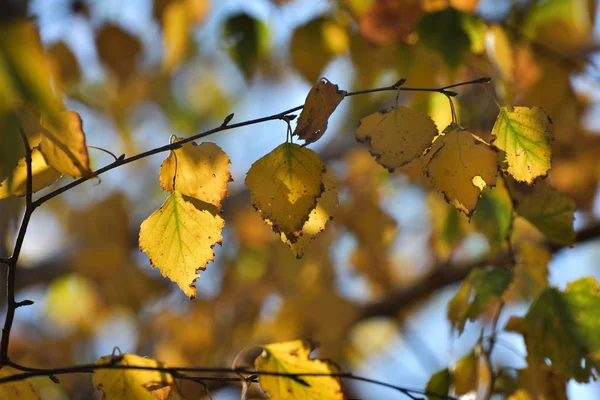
{"x":321,"y":102}
{"x":563,"y":328}
{"x":120,"y":59}
{"x":531,"y":270}
{"x":550,"y":211}
{"x":480,"y":289}
{"x":248,"y":40}
{"x":493,"y":216}
{"x":318,"y":218}
{"x":538,"y":381}
{"x":460,"y":165}
{"x":285,"y":186}
{"x":523,"y":133}
{"x":121,"y":384}
{"x":22,"y":390}
{"x":179,"y":239}
{"x":396,"y":137}
{"x":42,"y":173}
{"x":293,"y":357}
{"x":199,"y":171}
{"x":439,"y":384}
{"x":389,"y":21}
{"x":499,"y":51}
{"x":64,"y":148}
{"x":176,"y":36}
{"x":472,"y":374}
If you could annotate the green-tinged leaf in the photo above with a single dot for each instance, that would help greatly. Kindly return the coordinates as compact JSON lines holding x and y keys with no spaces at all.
{"x":563,"y":328}
{"x":247,"y":39}
{"x":285,"y":186}
{"x":538,"y":381}
{"x":22,"y":390}
{"x":199,"y":171}
{"x":531,"y":271}
{"x":139,"y":384}
{"x":293,"y":357}
{"x":64,"y":148}
{"x":443,"y":32}
{"x":396,"y":137}
{"x":321,"y":102}
{"x":523,"y":133}
{"x":481,"y":289}
{"x":439,"y":384}
{"x":43,"y":175}
{"x":550,"y":211}
{"x":460,"y":165}
{"x":179,"y":238}
{"x":472,"y":374}
{"x":493,"y":216}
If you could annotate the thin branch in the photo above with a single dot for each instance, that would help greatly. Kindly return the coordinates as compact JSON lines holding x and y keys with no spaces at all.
{"x":225,"y":126}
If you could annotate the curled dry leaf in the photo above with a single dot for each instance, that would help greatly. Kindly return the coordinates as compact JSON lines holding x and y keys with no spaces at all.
{"x":320,"y":103}
{"x":459,"y":165}
{"x":199,"y":171}
{"x":396,"y":137}
{"x":285,"y":186}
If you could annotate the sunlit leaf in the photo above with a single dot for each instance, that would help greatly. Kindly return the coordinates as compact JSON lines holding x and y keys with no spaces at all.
{"x":396,"y":137}
{"x":248,"y":39}
{"x":439,"y":383}
{"x":176,"y":37}
{"x":460,"y":165}
{"x":472,"y":374}
{"x":523,"y":133}
{"x":285,"y":186}
{"x":437,"y":5}
{"x":550,"y":211}
{"x":538,"y":381}
{"x":199,"y":171}
{"x":43,"y":175}
{"x":122,"y":384}
{"x":64,"y":148}
{"x":499,"y":51}
{"x":481,"y":289}
{"x":70,"y":300}
{"x":293,"y":357}
{"x":320,"y":103}
{"x":22,"y":390}
{"x":563,"y":328}
{"x":179,"y":240}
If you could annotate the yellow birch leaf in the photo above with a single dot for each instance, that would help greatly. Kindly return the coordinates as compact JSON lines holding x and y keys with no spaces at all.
{"x":313,"y":46}
{"x":460,"y":165}
{"x":396,"y":137}
{"x":121,"y":384}
{"x":22,"y":390}
{"x":179,"y":239}
{"x":524,"y":135}
{"x":293,"y":357}
{"x":121,"y":59}
{"x":538,"y":381}
{"x":199,"y":171}
{"x":499,"y":50}
{"x":320,"y":103}
{"x":285,"y":186}
{"x":176,"y":39}
{"x":317,"y":219}
{"x":64,"y":148}
{"x":43,"y":175}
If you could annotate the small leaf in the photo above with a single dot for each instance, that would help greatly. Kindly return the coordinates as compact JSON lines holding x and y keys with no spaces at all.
{"x":199,"y":171}
{"x":285,"y":186}
{"x":320,"y":103}
{"x":531,"y":271}
{"x":121,"y":384}
{"x":460,"y":165}
{"x":318,"y":218}
{"x":396,"y":137}
{"x":493,"y":216}
{"x":439,"y":384}
{"x":43,"y":175}
{"x":472,"y":374}
{"x":22,"y":390}
{"x":179,"y":240}
{"x":120,"y":59}
{"x":478,"y":291}
{"x":389,"y":21}
{"x":524,"y":135}
{"x":546,"y":208}
{"x":538,"y":381}
{"x":293,"y":357}
{"x":64,"y":148}
{"x":248,"y":39}
{"x":176,"y":34}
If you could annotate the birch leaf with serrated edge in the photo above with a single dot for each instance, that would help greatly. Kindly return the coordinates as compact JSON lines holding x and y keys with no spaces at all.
{"x":547,"y":209}
{"x":43,"y":175}
{"x":317,"y":219}
{"x":64,"y":147}
{"x":460,"y":165}
{"x":320,"y":103}
{"x":396,"y":137}
{"x":22,"y":390}
{"x":122,"y":384}
{"x":199,"y":171}
{"x":293,"y":357}
{"x":179,"y":239}
{"x":285,"y":186}
{"x":524,"y":135}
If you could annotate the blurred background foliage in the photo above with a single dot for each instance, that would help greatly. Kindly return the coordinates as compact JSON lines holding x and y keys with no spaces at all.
{"x":140,"y":71}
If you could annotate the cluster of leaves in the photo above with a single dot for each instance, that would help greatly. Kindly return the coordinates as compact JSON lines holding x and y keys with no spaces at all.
{"x":493,"y":176}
